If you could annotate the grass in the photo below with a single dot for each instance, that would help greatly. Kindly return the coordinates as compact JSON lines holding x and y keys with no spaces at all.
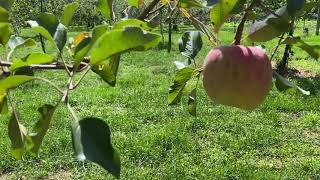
{"x":278,"y":140}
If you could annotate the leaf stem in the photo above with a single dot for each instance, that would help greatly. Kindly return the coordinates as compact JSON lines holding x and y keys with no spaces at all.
{"x":73,"y":113}
{"x":81,"y":78}
{"x":50,"y":83}
{"x":277,"y":47}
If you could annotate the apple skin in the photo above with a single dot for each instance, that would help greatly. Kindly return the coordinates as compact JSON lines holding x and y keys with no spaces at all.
{"x":237,"y":76}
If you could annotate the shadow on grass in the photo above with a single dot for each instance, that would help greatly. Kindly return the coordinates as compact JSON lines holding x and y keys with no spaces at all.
{"x":311,"y":84}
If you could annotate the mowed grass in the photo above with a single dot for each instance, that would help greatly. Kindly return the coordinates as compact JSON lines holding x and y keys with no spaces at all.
{"x":279,"y":140}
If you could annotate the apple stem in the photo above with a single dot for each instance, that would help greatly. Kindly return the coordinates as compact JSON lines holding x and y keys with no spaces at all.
{"x":237,"y":38}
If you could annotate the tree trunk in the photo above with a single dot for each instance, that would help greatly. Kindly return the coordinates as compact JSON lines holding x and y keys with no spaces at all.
{"x":43,"y":46}
{"x":161,"y":29}
{"x":282,"y":67}
{"x":170,"y":36}
{"x":318,"y":22}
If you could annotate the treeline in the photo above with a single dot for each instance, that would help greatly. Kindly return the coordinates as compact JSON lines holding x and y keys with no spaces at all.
{"x":87,"y":16}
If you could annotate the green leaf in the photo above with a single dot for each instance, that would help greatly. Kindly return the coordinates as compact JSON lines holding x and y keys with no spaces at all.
{"x":190,"y":4}
{"x":91,"y":138}
{"x":283,"y":84}
{"x":3,"y":103}
{"x":18,"y":42}
{"x":271,"y":27}
{"x":6,"y":4}
{"x":60,"y":37}
{"x":13,"y":82}
{"x":17,"y":135}
{"x":120,"y":41}
{"x":34,"y":58}
{"x":192,"y":102}
{"x":222,"y":10}
{"x":135,"y":3}
{"x":133,"y":22}
{"x":68,"y":12}
{"x":84,"y":47}
{"x":108,"y":70}
{"x":294,"y":6}
{"x":106,"y":8}
{"x":308,"y":7}
{"x":190,"y":44}
{"x":5,"y":33}
{"x":49,"y":27}
{"x":211,"y":2}
{"x":4,"y":15}
{"x":35,"y":139}
{"x":312,"y":50}
{"x":41,"y":30}
{"x":180,"y":81}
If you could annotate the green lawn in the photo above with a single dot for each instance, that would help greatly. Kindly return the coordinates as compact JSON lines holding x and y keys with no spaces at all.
{"x":279,"y":140}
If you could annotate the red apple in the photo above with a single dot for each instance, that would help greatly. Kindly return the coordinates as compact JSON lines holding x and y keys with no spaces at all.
{"x":237,"y":76}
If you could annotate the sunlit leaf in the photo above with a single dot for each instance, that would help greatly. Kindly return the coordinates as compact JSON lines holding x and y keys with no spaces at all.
{"x":49,"y":27}
{"x":34,"y":58}
{"x":312,"y":50}
{"x":180,"y":81}
{"x":190,"y":4}
{"x":108,"y":69}
{"x":135,"y":3}
{"x":271,"y":27}
{"x":106,"y":8}
{"x":68,"y":13}
{"x":91,"y":138}
{"x":12,"y":82}
{"x":18,"y":42}
{"x":222,"y":10}
{"x":3,"y":103}
{"x":17,"y":135}
{"x":86,"y":44}
{"x":4,"y":16}
{"x":5,"y":33}
{"x":112,"y":42}
{"x":133,"y":22}
{"x":35,"y":138}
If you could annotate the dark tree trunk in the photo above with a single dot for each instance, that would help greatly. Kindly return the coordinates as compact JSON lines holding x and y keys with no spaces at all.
{"x":282,"y":67}
{"x":161,"y":28}
{"x":170,"y":36}
{"x":43,"y":46}
{"x":318,"y":22}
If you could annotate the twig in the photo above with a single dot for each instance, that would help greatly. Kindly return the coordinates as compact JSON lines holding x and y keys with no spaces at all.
{"x":54,"y":66}
{"x":276,"y":49}
{"x":81,"y":78}
{"x":156,"y":10}
{"x":237,"y":38}
{"x":65,"y":66}
{"x":149,"y":8}
{"x":50,"y":83}
{"x":73,"y":113}
{"x":268,"y":10}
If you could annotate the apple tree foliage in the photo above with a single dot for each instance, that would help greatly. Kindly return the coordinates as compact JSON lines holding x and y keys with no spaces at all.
{"x":100,"y":51}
